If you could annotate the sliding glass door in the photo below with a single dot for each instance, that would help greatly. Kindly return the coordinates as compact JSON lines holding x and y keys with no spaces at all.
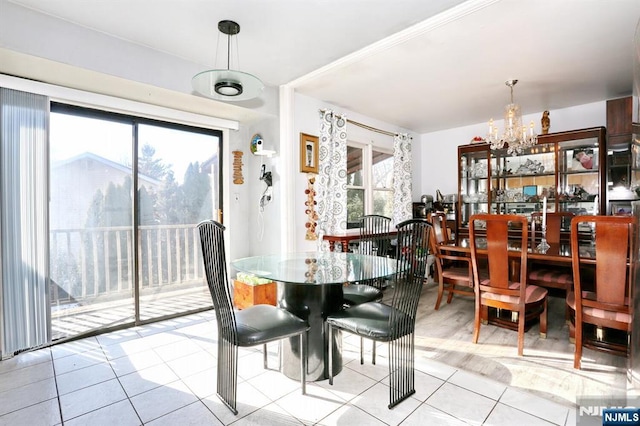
{"x":90,"y":224}
{"x":125,"y":196}
{"x":178,"y":188}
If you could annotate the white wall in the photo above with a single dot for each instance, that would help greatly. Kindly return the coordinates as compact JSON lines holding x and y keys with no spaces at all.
{"x":63,"y":52}
{"x":436,"y":157}
{"x":27,"y":31}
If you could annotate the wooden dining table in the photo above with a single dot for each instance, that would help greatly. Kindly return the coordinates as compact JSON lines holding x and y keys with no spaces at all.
{"x":555,"y":254}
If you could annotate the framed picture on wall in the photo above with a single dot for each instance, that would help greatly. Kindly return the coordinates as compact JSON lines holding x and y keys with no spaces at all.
{"x":308,"y":153}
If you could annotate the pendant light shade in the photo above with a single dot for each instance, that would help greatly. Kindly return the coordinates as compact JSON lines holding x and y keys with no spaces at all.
{"x":227,"y":84}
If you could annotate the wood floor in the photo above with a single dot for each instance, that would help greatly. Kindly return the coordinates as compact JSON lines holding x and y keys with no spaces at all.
{"x":546,"y":367}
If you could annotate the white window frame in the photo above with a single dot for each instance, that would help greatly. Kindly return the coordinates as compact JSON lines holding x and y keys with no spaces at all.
{"x":367,"y":173}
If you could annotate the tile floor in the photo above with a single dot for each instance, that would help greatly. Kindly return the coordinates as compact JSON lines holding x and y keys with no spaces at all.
{"x":164,"y":373}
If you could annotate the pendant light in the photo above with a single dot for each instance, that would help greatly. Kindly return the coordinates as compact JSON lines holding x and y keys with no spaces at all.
{"x":227,"y":84}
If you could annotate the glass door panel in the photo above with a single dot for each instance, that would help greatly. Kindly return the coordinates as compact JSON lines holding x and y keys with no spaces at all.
{"x":578,"y":176}
{"x":474,"y":185}
{"x":178,"y":187}
{"x":90,"y":224}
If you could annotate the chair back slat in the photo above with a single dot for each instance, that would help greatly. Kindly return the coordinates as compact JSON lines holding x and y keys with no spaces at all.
{"x":413,"y":248}
{"x":439,"y":224}
{"x":374,"y":235}
{"x":499,"y":262}
{"x":555,"y":220}
{"x":215,"y":267}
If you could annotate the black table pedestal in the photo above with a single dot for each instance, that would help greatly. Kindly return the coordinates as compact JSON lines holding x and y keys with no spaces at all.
{"x":312,"y":303}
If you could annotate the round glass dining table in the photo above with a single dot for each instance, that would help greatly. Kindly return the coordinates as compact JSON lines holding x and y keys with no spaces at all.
{"x":310,"y":286}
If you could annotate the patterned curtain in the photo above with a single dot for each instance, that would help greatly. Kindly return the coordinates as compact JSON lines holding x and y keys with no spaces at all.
{"x":332,"y":185}
{"x":402,"y":209}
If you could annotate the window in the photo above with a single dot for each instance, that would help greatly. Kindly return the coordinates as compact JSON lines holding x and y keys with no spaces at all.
{"x":369,"y":182}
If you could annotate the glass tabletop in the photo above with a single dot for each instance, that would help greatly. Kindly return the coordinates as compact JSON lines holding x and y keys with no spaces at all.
{"x":317,"y":267}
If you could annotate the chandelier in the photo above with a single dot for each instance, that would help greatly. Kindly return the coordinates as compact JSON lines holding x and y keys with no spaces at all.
{"x":227,"y":84}
{"x":515,"y":135}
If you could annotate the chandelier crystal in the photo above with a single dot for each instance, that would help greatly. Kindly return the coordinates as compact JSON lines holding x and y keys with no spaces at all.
{"x":517,"y":137}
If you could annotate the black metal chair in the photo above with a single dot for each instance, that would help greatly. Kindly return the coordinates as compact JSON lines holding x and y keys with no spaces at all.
{"x":374,"y":241}
{"x":256,"y":325}
{"x":375,"y":237}
{"x":372,"y":227}
{"x":393,"y":323}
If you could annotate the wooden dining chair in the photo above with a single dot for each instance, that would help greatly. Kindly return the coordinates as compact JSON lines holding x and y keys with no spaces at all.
{"x":393,"y":323}
{"x":453,"y":272}
{"x":545,"y":274}
{"x":602,"y":298}
{"x":255,"y":325}
{"x":499,"y":289}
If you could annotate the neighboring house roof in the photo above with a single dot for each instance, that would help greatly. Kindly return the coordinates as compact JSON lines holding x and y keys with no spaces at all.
{"x":106,"y":162}
{"x":205,"y":166}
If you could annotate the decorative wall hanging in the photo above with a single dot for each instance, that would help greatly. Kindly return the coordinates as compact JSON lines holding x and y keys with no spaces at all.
{"x":312,"y":216}
{"x":308,"y":153}
{"x":238,"y":179}
{"x":256,"y":144}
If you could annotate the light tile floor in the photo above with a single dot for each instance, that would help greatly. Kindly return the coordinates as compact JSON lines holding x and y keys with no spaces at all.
{"x":164,"y":374}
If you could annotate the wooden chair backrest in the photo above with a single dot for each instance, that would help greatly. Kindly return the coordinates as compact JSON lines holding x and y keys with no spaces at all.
{"x":497,"y":252}
{"x":614,"y":236}
{"x":439,"y":223}
{"x":554,"y":224}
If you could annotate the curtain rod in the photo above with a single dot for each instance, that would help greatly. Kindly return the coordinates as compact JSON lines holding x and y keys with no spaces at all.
{"x":370,"y":128}
{"x":373,"y":129}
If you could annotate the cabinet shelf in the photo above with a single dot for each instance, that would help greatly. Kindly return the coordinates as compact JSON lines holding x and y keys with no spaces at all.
{"x":520,"y":176}
{"x":556,"y":157}
{"x":549,"y":200}
{"x":579,"y":172}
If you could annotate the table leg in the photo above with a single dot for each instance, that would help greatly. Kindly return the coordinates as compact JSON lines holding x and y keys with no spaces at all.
{"x":312,"y":303}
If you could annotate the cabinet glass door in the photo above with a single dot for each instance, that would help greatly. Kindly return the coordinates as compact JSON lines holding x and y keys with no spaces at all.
{"x":520,"y":183}
{"x":578,"y":176}
{"x":474,"y":184}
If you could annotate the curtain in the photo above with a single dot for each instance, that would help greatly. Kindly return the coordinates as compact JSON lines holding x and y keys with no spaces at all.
{"x":332,"y":186}
{"x":24,"y":138}
{"x":402,"y":207}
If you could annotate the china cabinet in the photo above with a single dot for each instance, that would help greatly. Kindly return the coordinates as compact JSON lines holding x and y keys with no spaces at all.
{"x":623,"y":157}
{"x":566,"y":169}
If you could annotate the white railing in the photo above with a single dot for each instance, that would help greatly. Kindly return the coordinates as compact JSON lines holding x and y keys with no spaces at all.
{"x":98,"y":262}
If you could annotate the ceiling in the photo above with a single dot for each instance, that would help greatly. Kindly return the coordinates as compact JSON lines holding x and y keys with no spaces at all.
{"x":421,"y":65}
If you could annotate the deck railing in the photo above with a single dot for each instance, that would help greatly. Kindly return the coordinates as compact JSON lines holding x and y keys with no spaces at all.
{"x":98,"y":262}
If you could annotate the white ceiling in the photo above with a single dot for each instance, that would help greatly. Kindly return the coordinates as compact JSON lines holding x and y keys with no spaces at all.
{"x":422,"y":65}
